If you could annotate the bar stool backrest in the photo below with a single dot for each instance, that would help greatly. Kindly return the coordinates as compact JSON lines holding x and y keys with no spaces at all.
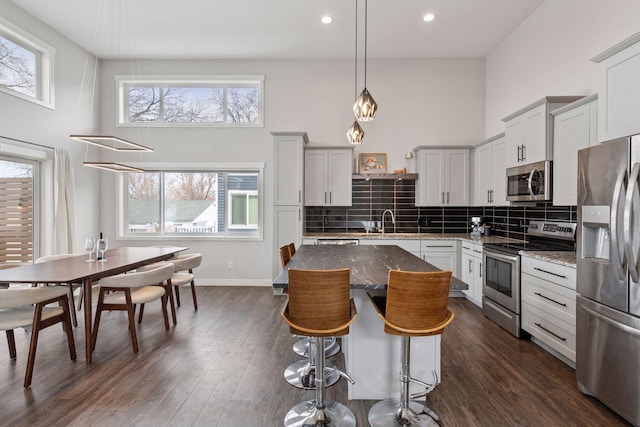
{"x":418,"y":300}
{"x":319,"y":299}
{"x":285,"y":255}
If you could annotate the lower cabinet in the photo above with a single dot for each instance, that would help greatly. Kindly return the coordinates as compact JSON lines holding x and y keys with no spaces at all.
{"x":441,"y":253}
{"x":549,"y":305}
{"x":471,"y":271}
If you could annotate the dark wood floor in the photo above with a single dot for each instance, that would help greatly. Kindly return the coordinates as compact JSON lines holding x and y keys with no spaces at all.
{"x":222,"y":366}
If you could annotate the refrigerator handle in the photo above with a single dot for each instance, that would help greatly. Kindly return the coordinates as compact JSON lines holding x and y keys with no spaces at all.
{"x":619,"y":257}
{"x":628,"y":238}
{"x":626,"y":328}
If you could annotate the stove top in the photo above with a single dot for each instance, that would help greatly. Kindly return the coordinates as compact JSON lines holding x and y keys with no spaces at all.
{"x":542,"y":236}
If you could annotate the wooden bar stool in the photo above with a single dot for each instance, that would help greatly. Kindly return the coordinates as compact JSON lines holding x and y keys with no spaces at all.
{"x":415,"y":305}
{"x":319,"y":306}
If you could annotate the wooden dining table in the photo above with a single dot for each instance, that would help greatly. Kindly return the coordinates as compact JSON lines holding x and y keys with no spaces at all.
{"x":76,"y":269}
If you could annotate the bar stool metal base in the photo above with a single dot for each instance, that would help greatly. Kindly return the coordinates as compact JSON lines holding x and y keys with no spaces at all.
{"x":333,"y":414}
{"x":331,"y":347}
{"x":389,"y":413}
{"x":300,"y":374}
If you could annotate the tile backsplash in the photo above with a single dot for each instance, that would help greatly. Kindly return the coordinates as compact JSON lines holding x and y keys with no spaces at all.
{"x":371,"y":197}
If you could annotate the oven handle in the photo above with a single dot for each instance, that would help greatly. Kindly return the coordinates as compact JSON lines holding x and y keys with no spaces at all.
{"x":488,"y":253}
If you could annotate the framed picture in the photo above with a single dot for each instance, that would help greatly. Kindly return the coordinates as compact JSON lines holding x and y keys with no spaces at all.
{"x":369,"y":163}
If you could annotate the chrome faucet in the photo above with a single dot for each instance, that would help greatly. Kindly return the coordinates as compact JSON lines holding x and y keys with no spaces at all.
{"x":393,"y":219}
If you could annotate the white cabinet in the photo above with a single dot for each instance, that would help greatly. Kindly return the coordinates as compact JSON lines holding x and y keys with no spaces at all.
{"x":574,"y":128}
{"x":529,"y":131}
{"x":443,"y":177}
{"x":618,"y":89}
{"x":471,"y":270}
{"x":288,"y":167}
{"x":441,"y":253}
{"x":288,"y":179}
{"x":549,"y":305}
{"x":327,"y":176}
{"x":489,"y":172}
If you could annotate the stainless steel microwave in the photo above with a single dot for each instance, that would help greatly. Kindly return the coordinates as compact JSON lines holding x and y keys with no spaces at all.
{"x":530,"y":182}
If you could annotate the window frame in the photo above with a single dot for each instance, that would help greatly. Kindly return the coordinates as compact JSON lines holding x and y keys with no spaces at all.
{"x":229,"y":216}
{"x":122,"y":207}
{"x":45,"y":56}
{"x":123,"y":82}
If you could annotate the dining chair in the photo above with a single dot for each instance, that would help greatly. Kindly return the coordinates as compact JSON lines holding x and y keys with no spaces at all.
{"x":285,"y":255}
{"x":48,"y":258}
{"x":24,"y":307}
{"x":125,"y":290}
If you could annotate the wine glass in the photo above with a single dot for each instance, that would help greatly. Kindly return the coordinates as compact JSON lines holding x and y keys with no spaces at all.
{"x":90,"y":246}
{"x":103,"y":245}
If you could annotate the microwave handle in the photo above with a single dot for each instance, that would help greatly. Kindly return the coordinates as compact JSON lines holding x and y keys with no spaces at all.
{"x":534,"y":170}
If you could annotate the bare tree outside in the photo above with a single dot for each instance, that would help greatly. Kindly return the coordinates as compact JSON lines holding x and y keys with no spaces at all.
{"x":242,"y":105}
{"x":191,"y":186}
{"x":144,"y":186}
{"x":17,"y":68}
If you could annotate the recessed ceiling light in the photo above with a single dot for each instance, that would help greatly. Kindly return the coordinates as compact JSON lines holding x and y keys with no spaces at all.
{"x":327,"y":19}
{"x":428,"y":17}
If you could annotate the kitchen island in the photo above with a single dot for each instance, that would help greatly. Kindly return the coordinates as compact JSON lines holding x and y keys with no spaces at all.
{"x":372,"y":357}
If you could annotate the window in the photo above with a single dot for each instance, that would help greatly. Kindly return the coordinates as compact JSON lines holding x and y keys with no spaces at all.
{"x":207,"y":203}
{"x":16,"y":210}
{"x":215,"y":101}
{"x":26,"y":65}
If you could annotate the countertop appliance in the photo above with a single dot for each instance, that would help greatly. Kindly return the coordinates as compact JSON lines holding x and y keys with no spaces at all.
{"x":608,"y":275}
{"x":501,"y":269}
{"x":530,"y":182}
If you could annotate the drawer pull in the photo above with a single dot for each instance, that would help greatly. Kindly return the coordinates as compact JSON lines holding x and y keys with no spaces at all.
{"x":549,"y":272}
{"x":439,"y":246}
{"x":545,"y":329}
{"x":550,"y":299}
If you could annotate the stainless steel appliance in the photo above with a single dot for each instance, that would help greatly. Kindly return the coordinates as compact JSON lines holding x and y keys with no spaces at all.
{"x":530,"y":182}
{"x":501,"y":278}
{"x":608,"y":276}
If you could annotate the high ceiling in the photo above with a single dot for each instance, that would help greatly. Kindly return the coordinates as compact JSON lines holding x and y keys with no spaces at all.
{"x":258,"y":29}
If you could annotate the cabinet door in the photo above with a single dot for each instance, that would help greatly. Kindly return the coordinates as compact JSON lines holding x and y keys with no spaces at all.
{"x":339,"y":178}
{"x":430,"y":183}
{"x":466,"y":272}
{"x":315,"y":178}
{"x":514,"y":137}
{"x":483,"y":174}
{"x":456,"y":170}
{"x":571,"y":133}
{"x":534,"y":132}
{"x":499,"y":173}
{"x":477,"y":276}
{"x":288,"y":170}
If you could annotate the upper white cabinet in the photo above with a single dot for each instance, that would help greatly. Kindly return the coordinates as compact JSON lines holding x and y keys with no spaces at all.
{"x":288,"y":167}
{"x":574,"y":128}
{"x":327,"y":176}
{"x":618,"y":100}
{"x":489,"y":173}
{"x":529,"y":131}
{"x":443,"y":177}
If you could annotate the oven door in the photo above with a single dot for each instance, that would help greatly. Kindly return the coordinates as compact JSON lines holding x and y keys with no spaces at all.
{"x":501,"y":281}
{"x":529,"y":182}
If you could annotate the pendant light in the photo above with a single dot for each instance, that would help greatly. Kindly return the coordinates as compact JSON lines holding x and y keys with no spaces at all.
{"x":355,"y":132}
{"x":365,"y":107}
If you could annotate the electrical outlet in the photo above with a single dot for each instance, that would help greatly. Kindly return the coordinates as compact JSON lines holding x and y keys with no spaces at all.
{"x":230,"y":265}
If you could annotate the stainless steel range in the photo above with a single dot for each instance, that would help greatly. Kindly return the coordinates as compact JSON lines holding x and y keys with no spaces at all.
{"x":501,"y":278}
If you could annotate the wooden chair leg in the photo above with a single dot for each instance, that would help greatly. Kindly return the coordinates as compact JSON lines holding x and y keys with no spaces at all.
{"x":193,"y":292}
{"x":132,"y":320}
{"x":74,"y":318}
{"x":168,"y":289}
{"x":164,"y":312}
{"x":70,"y":341}
{"x":177,"y":289}
{"x":96,"y":322}
{"x":140,"y":314}
{"x":80,"y":298}
{"x":11,"y":340}
{"x":35,"y":331}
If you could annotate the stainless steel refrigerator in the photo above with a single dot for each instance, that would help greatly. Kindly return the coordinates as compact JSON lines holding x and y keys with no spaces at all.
{"x":608,"y":275}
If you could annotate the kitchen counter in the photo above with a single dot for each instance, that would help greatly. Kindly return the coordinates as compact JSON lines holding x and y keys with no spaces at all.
{"x":563,"y":258}
{"x":408,"y":236}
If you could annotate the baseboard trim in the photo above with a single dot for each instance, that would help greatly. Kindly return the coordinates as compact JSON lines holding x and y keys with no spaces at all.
{"x":232,"y":282}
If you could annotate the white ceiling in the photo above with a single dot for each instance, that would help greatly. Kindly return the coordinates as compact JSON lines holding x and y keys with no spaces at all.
{"x":281,"y":28}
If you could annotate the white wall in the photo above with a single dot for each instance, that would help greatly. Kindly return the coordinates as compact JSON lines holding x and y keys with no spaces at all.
{"x":422,"y":102}
{"x":549,"y":54}
{"x":26,"y":121}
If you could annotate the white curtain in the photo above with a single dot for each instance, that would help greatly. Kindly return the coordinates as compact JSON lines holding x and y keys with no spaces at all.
{"x":64,"y":233}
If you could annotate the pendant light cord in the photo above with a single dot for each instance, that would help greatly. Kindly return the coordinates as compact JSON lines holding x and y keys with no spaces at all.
{"x":365,"y":42}
{"x":356,"y":53}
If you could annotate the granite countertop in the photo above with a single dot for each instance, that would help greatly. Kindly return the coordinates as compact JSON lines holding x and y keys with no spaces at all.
{"x":563,"y":258}
{"x":409,"y":236}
